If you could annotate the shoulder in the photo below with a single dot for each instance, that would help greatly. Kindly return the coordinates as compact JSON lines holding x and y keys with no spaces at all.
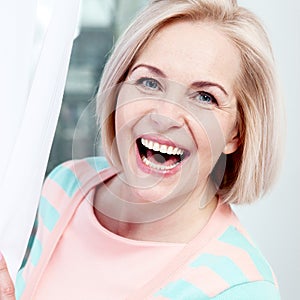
{"x":75,"y":170}
{"x":70,"y":175}
{"x":60,"y":189}
{"x":244,"y":268}
{"x":230,"y":266}
{"x":237,"y":246}
{"x":63,"y":183}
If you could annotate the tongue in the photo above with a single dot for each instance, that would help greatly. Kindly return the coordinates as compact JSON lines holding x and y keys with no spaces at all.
{"x":162,"y":159}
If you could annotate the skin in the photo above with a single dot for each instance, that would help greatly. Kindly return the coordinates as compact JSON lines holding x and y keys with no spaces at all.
{"x":7,"y":291}
{"x":179,"y":55}
{"x":183,"y":62}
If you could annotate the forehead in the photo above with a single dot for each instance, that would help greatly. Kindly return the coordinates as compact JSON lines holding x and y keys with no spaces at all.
{"x":189,"y":51}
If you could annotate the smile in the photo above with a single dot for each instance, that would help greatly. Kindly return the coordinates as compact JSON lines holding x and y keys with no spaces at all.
{"x":161,"y":157}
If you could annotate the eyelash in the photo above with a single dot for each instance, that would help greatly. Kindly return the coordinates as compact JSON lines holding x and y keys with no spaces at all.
{"x":205,"y":94}
{"x":142,"y":82}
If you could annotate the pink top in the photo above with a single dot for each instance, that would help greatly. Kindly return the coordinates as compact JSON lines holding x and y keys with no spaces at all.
{"x":114,"y":265}
{"x":74,"y":257}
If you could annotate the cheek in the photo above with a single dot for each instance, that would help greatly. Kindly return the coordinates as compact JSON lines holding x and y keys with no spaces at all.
{"x":129,"y":109}
{"x":126,"y":118}
{"x":230,"y":133}
{"x":216,"y":130}
{"x":208,"y":133}
{"x":127,"y":115}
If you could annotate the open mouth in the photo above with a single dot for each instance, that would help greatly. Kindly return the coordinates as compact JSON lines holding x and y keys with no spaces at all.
{"x":158,"y":156}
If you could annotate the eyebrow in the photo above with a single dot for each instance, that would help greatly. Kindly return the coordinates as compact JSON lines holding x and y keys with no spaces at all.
{"x":196,"y":84}
{"x":154,"y":70}
{"x":202,"y":84}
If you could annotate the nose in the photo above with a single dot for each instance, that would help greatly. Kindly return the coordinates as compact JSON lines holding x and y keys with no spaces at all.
{"x":166,"y":116}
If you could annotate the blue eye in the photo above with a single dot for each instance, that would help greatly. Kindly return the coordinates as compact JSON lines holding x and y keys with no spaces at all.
{"x":149,"y":83}
{"x":205,"y":98}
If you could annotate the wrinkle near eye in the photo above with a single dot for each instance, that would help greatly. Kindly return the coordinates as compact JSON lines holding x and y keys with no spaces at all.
{"x":205,"y":98}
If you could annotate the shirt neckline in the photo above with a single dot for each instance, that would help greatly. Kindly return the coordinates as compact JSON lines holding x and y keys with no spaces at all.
{"x":221,"y":214}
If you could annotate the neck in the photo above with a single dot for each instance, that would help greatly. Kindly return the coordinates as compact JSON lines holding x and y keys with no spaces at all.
{"x":179,"y":226}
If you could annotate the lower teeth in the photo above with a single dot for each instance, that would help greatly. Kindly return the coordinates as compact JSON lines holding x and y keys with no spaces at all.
{"x":158,"y":167}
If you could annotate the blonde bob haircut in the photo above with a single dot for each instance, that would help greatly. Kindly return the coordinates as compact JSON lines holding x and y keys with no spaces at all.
{"x":250,"y":170}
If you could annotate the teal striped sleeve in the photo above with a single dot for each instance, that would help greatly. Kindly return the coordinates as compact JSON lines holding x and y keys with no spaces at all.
{"x":258,"y":290}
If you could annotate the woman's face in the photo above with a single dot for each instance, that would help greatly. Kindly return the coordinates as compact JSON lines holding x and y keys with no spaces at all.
{"x":176,"y":112}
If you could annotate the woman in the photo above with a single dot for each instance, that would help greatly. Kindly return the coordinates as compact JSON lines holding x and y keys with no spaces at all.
{"x":188,"y":108}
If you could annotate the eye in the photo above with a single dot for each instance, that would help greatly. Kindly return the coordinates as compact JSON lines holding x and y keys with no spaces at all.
{"x":205,"y":98}
{"x":149,"y":84}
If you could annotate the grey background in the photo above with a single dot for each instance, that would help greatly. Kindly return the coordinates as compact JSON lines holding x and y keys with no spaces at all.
{"x":274,"y":221}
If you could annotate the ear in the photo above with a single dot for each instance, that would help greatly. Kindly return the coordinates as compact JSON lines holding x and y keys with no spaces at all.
{"x":233,"y":142}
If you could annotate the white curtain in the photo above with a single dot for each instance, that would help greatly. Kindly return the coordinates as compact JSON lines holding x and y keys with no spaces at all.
{"x":36,"y":38}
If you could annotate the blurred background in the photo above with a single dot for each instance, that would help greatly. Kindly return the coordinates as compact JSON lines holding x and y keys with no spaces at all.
{"x":101,"y":22}
{"x":273,"y":221}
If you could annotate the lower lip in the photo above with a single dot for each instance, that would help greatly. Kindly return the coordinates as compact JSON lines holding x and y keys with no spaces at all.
{"x":149,"y":170}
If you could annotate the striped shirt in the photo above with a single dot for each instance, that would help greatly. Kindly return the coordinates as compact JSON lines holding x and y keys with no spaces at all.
{"x":73,"y":257}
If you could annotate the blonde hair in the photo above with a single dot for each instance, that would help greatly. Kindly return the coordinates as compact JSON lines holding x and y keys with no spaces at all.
{"x":251,"y":170}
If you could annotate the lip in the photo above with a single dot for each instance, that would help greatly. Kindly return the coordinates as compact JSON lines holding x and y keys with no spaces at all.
{"x":162,"y":141}
{"x":161,"y":173}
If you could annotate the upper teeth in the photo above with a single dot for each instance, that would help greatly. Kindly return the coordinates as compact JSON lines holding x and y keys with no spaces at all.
{"x":161,"y":148}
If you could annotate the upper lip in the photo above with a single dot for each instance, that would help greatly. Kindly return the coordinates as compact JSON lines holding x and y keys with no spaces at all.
{"x":163,"y":141}
{"x":176,"y":148}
